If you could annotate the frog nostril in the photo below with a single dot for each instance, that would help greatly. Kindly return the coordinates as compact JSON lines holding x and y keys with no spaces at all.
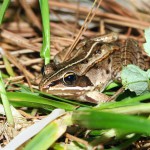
{"x":42,"y":70}
{"x":52,"y":84}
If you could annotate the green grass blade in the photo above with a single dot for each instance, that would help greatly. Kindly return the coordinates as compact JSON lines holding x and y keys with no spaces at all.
{"x":31,"y":100}
{"x":124,"y":145}
{"x":5,"y":102}
{"x":8,"y":67}
{"x":141,"y":108}
{"x":44,"y":139}
{"x":45,"y":51}
{"x":97,"y":120}
{"x":112,"y":85}
{"x":3,"y":8}
{"x":49,"y":134}
{"x":124,"y":102}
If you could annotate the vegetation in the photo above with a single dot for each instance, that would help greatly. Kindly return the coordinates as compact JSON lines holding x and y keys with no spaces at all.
{"x":30,"y":119}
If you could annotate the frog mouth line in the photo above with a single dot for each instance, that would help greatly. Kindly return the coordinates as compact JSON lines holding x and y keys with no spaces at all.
{"x":68,"y":91}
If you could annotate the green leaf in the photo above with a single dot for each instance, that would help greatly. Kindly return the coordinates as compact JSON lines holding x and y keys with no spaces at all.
{"x":147,"y":44}
{"x":135,"y":79}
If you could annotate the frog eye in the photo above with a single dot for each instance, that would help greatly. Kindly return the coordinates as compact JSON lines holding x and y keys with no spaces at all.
{"x":69,"y":78}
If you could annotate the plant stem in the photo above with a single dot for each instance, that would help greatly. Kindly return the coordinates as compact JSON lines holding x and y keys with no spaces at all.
{"x":45,"y":51}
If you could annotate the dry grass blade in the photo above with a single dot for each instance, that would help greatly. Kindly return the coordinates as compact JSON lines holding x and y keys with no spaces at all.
{"x":30,"y":14}
{"x":74,"y":138}
{"x":83,"y":28}
{"x":18,"y":40}
{"x":100,"y":13}
{"x":19,"y":66}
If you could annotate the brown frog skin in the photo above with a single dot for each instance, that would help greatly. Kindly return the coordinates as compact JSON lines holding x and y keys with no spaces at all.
{"x":93,"y":64}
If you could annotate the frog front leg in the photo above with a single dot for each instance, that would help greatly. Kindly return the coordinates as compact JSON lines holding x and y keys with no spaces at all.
{"x":95,"y":97}
{"x":98,"y":97}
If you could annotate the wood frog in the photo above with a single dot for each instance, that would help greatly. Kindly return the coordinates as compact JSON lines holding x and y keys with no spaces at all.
{"x":92,"y":65}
